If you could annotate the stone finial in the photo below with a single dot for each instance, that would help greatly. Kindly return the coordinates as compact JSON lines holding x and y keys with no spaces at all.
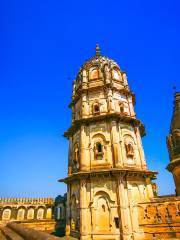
{"x":98,"y":53}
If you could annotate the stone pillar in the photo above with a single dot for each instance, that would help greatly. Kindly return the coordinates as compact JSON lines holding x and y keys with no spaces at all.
{"x":115,"y":142}
{"x":107,"y":74}
{"x":124,"y":209}
{"x":68,"y":211}
{"x":83,"y":210}
{"x":84,"y":151}
{"x":85,"y":106}
{"x":70,"y":153}
{"x":111,"y":106}
{"x":131,"y":107}
{"x":149,"y":188}
{"x":140,"y":149}
{"x":84,"y":80}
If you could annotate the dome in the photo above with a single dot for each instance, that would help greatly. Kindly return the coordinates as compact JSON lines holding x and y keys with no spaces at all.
{"x":99,"y":61}
{"x":99,"y":71}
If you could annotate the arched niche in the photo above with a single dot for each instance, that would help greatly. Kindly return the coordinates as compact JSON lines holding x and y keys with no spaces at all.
{"x":129,"y":145}
{"x":74,"y":213}
{"x":21,"y":214}
{"x":93,"y":73}
{"x":40,"y":213}
{"x":99,"y":146}
{"x":6,"y":215}
{"x":30,"y":213}
{"x":102,"y":216}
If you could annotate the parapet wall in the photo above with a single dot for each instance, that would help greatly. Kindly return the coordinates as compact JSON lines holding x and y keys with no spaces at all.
{"x":26,"y":201}
{"x":160,"y":219}
{"x":23,"y":209}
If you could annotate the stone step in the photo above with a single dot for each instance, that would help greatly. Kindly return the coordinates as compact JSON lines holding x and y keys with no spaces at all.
{"x":9,"y":234}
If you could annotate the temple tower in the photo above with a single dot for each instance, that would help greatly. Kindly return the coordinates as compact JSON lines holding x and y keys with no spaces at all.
{"x":173,"y":143}
{"x":107,"y":171}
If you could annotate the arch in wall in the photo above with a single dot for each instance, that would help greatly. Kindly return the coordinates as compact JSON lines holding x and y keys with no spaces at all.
{"x":40,"y":213}
{"x":49,"y":213}
{"x":93,"y":73}
{"x":74,"y":214}
{"x":129,"y":145}
{"x":21,"y":213}
{"x":99,"y":142}
{"x":6,"y":215}
{"x":102,"y":211}
{"x":30,"y":213}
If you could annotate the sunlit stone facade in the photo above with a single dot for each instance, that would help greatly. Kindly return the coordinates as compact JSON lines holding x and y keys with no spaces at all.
{"x":107,"y":171}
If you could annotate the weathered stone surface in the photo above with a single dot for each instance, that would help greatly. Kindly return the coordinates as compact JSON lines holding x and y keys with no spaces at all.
{"x":30,"y":234}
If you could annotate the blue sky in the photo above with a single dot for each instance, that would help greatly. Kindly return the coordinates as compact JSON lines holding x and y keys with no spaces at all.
{"x":43,"y":44}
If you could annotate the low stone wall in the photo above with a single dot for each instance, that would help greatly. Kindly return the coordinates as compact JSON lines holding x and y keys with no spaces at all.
{"x":160,"y":219}
{"x":23,"y":209}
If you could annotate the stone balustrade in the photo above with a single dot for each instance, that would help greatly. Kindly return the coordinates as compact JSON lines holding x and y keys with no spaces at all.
{"x":26,"y":201}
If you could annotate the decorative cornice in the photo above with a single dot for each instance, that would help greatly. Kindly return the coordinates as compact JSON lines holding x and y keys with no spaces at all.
{"x":109,"y":116}
{"x":81,"y":90}
{"x":110,"y":173}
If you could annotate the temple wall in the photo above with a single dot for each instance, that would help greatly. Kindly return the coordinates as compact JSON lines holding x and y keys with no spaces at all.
{"x":160,"y":219}
{"x":26,"y":209}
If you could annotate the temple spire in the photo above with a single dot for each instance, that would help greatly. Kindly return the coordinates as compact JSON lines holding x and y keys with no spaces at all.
{"x":98,"y":53}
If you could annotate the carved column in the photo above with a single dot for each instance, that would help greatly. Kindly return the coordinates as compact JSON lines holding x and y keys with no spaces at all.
{"x":125,"y":210}
{"x":85,"y":106}
{"x":70,"y":157}
{"x":115,"y":142}
{"x":140,"y":149}
{"x":149,"y":188}
{"x":68,"y":211}
{"x":83,"y":210}
{"x":84,"y":151}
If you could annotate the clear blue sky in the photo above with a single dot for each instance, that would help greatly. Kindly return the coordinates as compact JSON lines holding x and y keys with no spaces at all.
{"x":43,"y":44}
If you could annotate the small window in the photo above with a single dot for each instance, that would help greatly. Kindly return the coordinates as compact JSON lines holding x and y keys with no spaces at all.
{"x":116,"y":220}
{"x":96,"y":108}
{"x":121,"y":106}
{"x":99,"y":147}
{"x":98,"y":151}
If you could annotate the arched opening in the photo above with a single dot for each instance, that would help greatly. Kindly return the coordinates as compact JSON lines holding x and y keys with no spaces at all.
{"x":40,"y":213}
{"x":96,"y":108}
{"x":94,"y":74}
{"x":102,"y":214}
{"x":98,"y":150}
{"x":21,"y":213}
{"x":6,"y":214}
{"x":30,"y":213}
{"x":76,"y":153}
{"x":49,"y":213}
{"x":74,"y":219}
{"x":121,"y":106}
{"x":99,"y":147}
